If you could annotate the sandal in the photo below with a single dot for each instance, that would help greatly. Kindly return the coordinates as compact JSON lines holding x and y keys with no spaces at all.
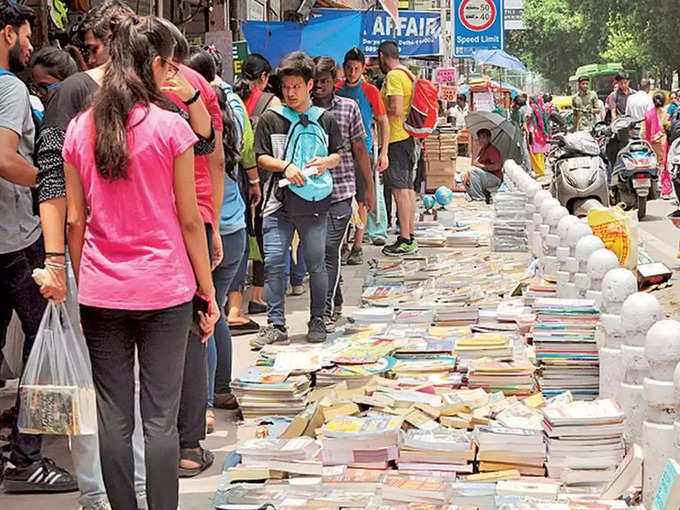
{"x":210,"y":421}
{"x":248,"y":328}
{"x":204,"y":458}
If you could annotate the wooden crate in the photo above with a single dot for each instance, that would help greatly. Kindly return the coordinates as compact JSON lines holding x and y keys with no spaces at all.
{"x":433,"y":181}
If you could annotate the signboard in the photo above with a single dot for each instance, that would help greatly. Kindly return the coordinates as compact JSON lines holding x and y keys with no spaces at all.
{"x":448,"y":93}
{"x":239,"y":54}
{"x":446,"y":75}
{"x":514,"y":10}
{"x":477,"y":25}
{"x":416,"y":33}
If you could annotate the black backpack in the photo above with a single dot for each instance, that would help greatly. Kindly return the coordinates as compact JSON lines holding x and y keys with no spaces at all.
{"x":675,"y":126}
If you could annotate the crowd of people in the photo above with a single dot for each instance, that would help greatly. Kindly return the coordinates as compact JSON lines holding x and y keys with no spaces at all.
{"x":129,"y":161}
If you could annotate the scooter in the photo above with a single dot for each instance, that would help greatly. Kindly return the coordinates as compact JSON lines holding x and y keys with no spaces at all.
{"x":635,"y":172}
{"x":674,"y":165}
{"x":579,"y":175}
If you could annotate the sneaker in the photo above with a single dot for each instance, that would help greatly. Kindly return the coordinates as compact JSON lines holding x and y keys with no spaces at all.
{"x":379,"y":241}
{"x":329,"y":323}
{"x":413,"y":247}
{"x":316,"y":332}
{"x":400,"y":248}
{"x":270,"y":335}
{"x":337,"y":312}
{"x":99,"y":505}
{"x":297,"y":290}
{"x":344,"y":255}
{"x":41,"y":476}
{"x":356,"y":256}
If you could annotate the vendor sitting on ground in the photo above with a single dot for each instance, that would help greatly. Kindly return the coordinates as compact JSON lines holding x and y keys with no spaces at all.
{"x":487,"y":168}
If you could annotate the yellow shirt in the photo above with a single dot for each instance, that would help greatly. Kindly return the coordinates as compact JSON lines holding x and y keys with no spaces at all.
{"x":397,"y":83}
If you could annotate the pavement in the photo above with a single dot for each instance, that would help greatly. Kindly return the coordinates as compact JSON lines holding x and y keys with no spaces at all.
{"x":657,"y":235}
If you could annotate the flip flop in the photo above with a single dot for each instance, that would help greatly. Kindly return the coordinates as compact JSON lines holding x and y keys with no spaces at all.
{"x":248,"y":328}
{"x":204,"y":458}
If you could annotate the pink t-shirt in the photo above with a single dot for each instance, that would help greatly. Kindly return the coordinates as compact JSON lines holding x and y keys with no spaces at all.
{"x":134,"y":257}
{"x":201,"y":169}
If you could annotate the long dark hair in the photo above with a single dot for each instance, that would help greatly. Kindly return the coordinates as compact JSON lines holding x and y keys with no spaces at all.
{"x":203,"y":63}
{"x":128,"y":81}
{"x":253,"y":67}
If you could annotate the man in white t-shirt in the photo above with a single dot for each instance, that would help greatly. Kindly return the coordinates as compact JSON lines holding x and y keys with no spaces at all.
{"x":640,"y":102}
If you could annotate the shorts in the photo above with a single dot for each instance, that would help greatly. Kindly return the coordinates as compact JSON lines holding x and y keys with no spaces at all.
{"x":401,"y":172}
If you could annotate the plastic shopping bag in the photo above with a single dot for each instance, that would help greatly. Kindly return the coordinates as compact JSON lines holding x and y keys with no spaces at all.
{"x":618,"y":230}
{"x":57,"y":392}
{"x":13,"y":351}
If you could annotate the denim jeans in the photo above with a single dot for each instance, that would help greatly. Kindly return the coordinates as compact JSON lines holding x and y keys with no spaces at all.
{"x":20,"y":293}
{"x":242,"y":270}
{"x":338,"y":223}
{"x":278,"y":229}
{"x":480,"y":181}
{"x":296,"y":271}
{"x":160,"y":337}
{"x":219,"y":345}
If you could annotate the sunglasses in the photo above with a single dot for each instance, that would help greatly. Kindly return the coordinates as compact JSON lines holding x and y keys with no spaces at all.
{"x":42,"y":90}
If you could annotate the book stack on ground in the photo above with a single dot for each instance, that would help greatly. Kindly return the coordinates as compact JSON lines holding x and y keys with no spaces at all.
{"x":413,"y":489}
{"x":270,"y":458}
{"x":484,"y":345}
{"x":584,"y":441}
{"x":509,"y":226}
{"x":460,"y":315}
{"x":511,"y":377}
{"x":442,"y":449}
{"x":539,"y":288}
{"x":504,"y":448}
{"x":565,"y":345}
{"x":262,"y":391}
{"x":367,"y":441}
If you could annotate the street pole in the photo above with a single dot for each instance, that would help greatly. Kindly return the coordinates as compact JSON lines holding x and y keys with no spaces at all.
{"x":446,"y":35}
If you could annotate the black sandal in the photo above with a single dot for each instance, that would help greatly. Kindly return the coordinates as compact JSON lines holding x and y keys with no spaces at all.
{"x":248,"y":328}
{"x":204,"y":458}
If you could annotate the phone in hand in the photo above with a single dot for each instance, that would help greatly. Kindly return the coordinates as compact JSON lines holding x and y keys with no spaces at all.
{"x":199,"y":305}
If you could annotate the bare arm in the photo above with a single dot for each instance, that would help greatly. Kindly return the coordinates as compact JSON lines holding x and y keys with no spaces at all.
{"x":13,"y":167}
{"x":360,"y":153}
{"x":384,"y":130}
{"x":395,"y":107}
{"x":76,"y":214}
{"x":199,"y":118}
{"x":217,"y":173}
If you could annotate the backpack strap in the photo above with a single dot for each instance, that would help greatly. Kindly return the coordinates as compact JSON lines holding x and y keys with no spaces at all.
{"x":287,"y":113}
{"x":5,"y":72}
{"x":407,"y":73}
{"x":314,"y":113}
{"x":263,"y":103}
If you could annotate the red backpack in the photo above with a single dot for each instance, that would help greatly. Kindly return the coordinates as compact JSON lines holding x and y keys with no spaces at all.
{"x":424,"y":110}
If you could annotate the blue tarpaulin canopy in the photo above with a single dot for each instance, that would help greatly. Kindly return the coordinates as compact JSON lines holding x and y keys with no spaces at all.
{"x":500,"y":58}
{"x":330,"y":35}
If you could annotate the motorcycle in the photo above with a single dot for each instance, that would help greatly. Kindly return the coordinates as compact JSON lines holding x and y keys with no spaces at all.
{"x":674,"y":165}
{"x":635,"y":172}
{"x":579,"y":175}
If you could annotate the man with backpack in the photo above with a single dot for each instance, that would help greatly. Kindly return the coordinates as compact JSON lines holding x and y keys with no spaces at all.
{"x":296,"y":146}
{"x":397,"y":93}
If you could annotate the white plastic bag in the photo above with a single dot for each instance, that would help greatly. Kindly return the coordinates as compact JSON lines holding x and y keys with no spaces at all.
{"x":13,"y":351}
{"x":57,"y":392}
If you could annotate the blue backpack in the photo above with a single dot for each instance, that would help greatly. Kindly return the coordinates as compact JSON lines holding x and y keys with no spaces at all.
{"x":305,"y":140}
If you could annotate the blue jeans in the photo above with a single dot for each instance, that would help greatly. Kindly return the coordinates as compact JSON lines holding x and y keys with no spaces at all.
{"x":296,"y":271}
{"x":219,"y":345}
{"x":278,"y":230}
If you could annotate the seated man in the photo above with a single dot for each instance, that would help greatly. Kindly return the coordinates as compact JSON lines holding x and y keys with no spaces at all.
{"x":487,"y":168}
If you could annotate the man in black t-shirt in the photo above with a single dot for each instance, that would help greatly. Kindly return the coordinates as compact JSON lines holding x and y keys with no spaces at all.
{"x":280,"y":219}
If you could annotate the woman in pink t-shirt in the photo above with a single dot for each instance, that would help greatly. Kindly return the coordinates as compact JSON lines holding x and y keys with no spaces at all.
{"x":138,"y":247}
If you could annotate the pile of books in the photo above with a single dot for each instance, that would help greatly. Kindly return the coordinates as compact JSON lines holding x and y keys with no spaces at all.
{"x":370,"y":441}
{"x":262,"y":459}
{"x":564,"y":341}
{"x":504,"y":448}
{"x":584,"y":441}
{"x":423,"y":451}
{"x":262,"y":391}
{"x":509,"y":227}
{"x":485,"y":345}
{"x":511,"y":377}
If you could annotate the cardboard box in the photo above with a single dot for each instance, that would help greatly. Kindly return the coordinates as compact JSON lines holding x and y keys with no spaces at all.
{"x":441,"y":167}
{"x":433,"y":181}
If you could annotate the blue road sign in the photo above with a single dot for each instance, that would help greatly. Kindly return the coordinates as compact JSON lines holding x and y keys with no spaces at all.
{"x":477,"y":25}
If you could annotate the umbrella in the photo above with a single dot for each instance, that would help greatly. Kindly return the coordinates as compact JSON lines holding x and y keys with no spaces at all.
{"x":504,"y":135}
{"x":500,"y":59}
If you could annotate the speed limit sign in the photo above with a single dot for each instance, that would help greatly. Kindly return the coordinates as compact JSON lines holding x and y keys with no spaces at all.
{"x":477,"y":15}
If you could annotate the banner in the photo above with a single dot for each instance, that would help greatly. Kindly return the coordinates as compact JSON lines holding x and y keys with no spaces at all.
{"x":239,"y":54}
{"x":477,"y":25}
{"x":448,"y":93}
{"x":417,"y":33}
{"x":446,"y":75}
